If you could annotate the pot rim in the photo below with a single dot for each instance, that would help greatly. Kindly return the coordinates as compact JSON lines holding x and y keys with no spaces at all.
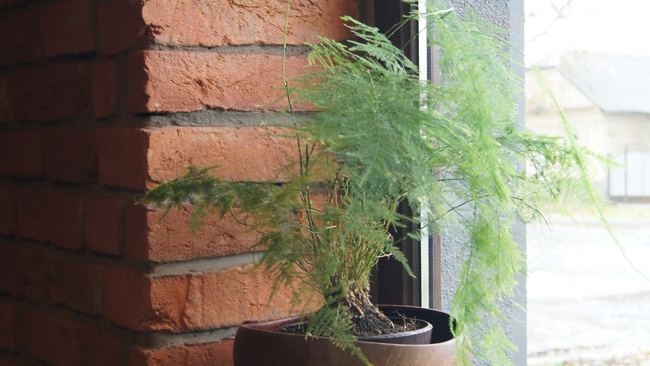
{"x":270,"y":326}
{"x":426,"y":328}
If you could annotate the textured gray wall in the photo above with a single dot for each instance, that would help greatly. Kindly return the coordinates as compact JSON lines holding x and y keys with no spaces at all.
{"x":518,"y":321}
{"x":507,"y":14}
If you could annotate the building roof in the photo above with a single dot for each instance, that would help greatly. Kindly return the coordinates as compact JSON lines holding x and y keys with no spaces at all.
{"x":615,"y":83}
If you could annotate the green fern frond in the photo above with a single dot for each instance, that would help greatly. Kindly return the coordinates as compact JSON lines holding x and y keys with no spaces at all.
{"x":381,"y":139}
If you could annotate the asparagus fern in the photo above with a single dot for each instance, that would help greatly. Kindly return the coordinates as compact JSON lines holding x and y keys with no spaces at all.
{"x":375,"y":142}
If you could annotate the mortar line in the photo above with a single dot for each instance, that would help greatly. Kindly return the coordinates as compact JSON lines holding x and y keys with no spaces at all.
{"x":203,"y":265}
{"x":160,"y":340}
{"x":250,"y":49}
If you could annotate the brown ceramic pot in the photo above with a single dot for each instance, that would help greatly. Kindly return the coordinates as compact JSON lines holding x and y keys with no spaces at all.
{"x":260,"y":345}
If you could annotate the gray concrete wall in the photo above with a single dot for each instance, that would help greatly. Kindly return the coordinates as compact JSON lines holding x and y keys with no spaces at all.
{"x":507,"y":14}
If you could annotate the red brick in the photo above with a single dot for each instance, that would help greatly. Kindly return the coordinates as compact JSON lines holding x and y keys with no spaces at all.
{"x":4,"y":362}
{"x":8,"y":314}
{"x":126,"y":299}
{"x":20,"y":154}
{"x":230,"y":297}
{"x":122,"y":157}
{"x":183,"y":81}
{"x":137,"y":158}
{"x":150,"y":237}
{"x":35,"y":280}
{"x":66,"y":28}
{"x":11,"y":2}
{"x":137,"y":233}
{"x":214,"y":354}
{"x":102,"y":222}
{"x":50,"y":338}
{"x":120,"y":25}
{"x":77,"y":285}
{"x":70,"y":155}
{"x":51,"y":214}
{"x":5,"y":101}
{"x":104,"y":89}
{"x":218,"y":23}
{"x":49,"y":92}
{"x":135,"y":301}
{"x":18,"y":37}
{"x":169,"y":297}
{"x":14,"y":268}
{"x":4,"y":3}
{"x":7,"y":210}
{"x":99,"y":347}
{"x":21,"y":272}
{"x":243,"y":154}
{"x":183,"y":302}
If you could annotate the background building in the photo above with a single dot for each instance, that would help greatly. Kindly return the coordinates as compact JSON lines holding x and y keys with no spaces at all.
{"x":606,"y":98}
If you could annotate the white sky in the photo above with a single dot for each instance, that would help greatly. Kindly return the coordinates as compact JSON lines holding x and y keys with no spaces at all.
{"x":616,"y":26}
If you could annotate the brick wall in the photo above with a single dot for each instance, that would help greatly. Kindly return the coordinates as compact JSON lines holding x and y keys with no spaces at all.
{"x":100,"y":100}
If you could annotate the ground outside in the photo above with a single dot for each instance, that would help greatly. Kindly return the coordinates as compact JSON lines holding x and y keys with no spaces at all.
{"x":586,"y":304}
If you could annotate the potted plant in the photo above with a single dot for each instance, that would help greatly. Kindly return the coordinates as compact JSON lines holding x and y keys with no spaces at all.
{"x":379,"y":138}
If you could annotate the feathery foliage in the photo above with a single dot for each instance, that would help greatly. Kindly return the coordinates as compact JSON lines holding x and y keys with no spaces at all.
{"x":380,"y":138}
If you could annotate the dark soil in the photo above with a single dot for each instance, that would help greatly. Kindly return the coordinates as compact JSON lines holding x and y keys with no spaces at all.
{"x":373,"y":324}
{"x":369,"y":326}
{"x":367,"y":319}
